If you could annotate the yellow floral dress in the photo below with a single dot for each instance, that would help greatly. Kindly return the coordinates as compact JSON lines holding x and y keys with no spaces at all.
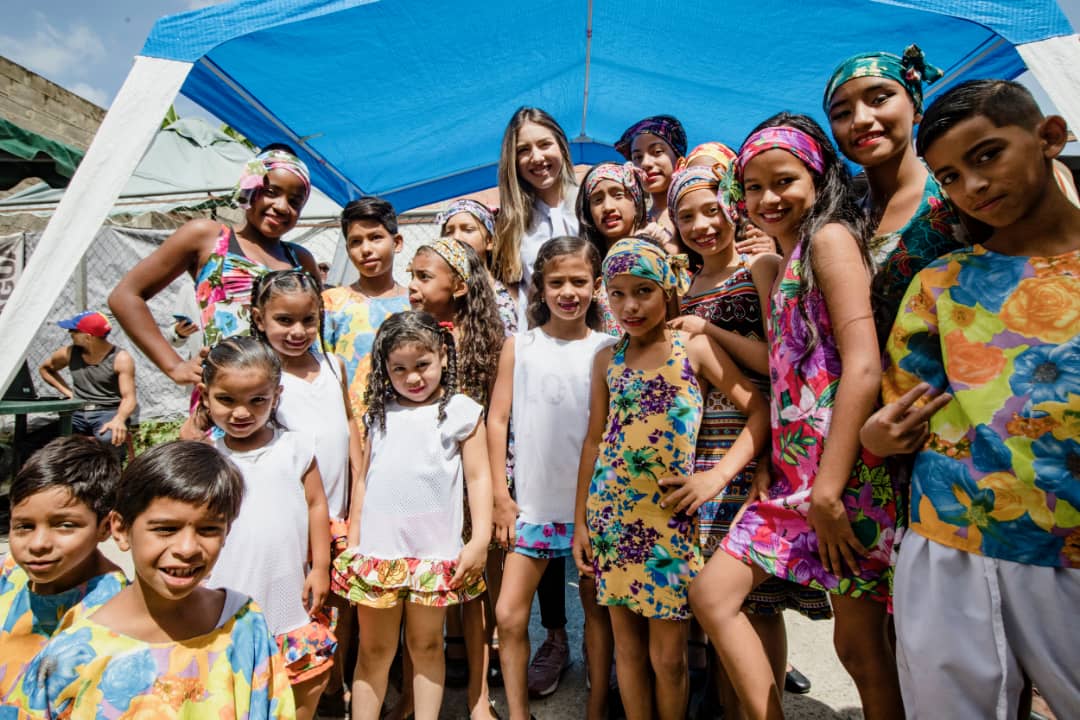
{"x":645,"y":556}
{"x":90,"y":671}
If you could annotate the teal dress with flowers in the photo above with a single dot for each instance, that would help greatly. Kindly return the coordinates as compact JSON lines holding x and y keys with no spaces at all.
{"x":645,"y":556}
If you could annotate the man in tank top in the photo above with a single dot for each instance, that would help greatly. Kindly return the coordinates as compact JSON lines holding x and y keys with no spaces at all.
{"x":101,"y":374}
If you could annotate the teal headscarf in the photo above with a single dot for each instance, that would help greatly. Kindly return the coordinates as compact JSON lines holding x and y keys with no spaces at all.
{"x":911,"y":71}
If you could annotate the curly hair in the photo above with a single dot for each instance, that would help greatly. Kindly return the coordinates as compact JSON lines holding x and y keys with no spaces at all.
{"x":480,"y":331}
{"x":538,"y":311}
{"x":834,"y":202}
{"x":404,"y":328}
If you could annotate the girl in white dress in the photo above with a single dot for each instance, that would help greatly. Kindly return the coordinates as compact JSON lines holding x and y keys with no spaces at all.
{"x":283,"y":521}
{"x":544,"y":375}
{"x":287,"y":312}
{"x":406,"y":559}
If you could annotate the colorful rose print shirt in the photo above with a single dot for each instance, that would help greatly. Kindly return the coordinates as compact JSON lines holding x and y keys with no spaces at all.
{"x":1000,"y":475}
{"x":28,"y":620}
{"x":350,"y":321}
{"x":91,"y":672}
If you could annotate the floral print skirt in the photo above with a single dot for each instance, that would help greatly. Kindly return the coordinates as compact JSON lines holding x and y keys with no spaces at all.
{"x":644,"y":556}
{"x":545,"y":541}
{"x":383,"y":583}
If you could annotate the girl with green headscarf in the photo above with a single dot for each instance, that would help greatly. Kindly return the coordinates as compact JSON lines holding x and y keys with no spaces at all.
{"x":873,"y":101}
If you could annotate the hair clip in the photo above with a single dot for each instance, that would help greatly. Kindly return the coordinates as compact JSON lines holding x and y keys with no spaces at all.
{"x":447,"y":325}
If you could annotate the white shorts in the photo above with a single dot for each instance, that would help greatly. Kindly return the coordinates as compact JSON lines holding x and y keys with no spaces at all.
{"x":969,"y":627}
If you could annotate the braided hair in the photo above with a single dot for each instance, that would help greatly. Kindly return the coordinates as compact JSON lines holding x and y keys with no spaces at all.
{"x":281,"y":282}
{"x":405,"y":328}
{"x":238,"y":351}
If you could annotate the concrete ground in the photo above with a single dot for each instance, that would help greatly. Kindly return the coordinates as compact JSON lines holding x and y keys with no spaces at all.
{"x":833,"y":696}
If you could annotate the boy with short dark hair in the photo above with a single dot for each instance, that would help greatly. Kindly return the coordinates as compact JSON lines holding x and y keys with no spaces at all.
{"x":988,"y":579}
{"x":353,"y":313}
{"x":60,"y":503}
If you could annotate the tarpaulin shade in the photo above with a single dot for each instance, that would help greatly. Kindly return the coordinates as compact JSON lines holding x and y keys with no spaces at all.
{"x":25,"y":154}
{"x":409,"y":99}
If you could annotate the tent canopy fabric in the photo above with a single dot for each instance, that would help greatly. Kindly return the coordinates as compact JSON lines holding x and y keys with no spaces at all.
{"x":186,"y":163}
{"x":408,"y":99}
{"x":25,"y":154}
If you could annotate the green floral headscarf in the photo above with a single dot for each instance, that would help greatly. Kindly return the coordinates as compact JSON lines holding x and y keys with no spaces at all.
{"x":911,"y":70}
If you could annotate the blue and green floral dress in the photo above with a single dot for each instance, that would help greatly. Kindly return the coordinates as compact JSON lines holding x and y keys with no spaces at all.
{"x":645,"y":556}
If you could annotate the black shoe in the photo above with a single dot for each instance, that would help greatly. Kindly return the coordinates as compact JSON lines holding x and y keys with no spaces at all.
{"x":797,"y":683}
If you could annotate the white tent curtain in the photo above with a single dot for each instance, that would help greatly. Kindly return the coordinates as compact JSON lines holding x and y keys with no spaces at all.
{"x":1055,"y":63}
{"x":123,"y":137}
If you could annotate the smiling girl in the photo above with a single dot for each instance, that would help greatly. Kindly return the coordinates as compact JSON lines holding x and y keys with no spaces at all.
{"x":634,"y":528}
{"x":223,"y":262}
{"x":656,"y":144}
{"x":406,"y":562}
{"x":284,"y":520}
{"x":536,"y":192}
{"x":824,"y":363}
{"x":873,"y":101}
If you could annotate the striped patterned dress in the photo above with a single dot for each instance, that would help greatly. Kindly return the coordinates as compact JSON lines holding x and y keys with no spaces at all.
{"x":734,"y":305}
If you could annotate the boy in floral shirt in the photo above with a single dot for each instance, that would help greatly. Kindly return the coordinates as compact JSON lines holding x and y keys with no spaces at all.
{"x":988,"y":580}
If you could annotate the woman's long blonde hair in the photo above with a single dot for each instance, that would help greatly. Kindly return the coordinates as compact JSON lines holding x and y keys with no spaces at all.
{"x":516,"y":197}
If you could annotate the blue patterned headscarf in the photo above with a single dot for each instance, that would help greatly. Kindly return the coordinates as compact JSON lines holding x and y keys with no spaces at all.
{"x":642,"y":258}
{"x":911,"y":70}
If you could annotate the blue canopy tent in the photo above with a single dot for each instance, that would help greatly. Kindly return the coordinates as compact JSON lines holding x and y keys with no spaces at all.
{"x":408,"y":99}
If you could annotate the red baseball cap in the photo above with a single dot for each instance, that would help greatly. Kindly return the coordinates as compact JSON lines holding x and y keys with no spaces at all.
{"x":89,"y":322}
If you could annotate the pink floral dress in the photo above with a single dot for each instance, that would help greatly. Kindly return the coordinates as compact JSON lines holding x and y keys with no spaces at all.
{"x":775,"y":534}
{"x":223,"y":288}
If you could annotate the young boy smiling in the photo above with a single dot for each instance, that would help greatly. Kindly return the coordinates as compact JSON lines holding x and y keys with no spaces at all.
{"x":60,"y":502}
{"x":988,"y":580}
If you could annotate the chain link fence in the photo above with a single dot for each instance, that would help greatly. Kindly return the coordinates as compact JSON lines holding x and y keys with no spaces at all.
{"x":115,"y":250}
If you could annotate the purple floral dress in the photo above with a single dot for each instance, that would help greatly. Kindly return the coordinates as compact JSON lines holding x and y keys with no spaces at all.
{"x":644,"y":555}
{"x":775,"y":534}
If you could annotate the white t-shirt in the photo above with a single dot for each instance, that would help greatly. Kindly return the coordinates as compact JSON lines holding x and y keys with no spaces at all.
{"x":548,"y":222}
{"x":265,"y":553}
{"x":552,"y":383}
{"x":413,"y":496}
{"x":318,"y":408}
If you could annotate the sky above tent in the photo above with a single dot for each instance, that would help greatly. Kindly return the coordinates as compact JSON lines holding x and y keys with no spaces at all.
{"x":401,"y":93}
